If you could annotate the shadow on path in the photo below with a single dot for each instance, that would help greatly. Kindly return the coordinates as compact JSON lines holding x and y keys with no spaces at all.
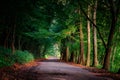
{"x":52,"y":69}
{"x":51,"y":60}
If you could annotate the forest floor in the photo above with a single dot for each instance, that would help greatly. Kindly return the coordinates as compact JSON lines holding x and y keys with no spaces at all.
{"x":54,"y":70}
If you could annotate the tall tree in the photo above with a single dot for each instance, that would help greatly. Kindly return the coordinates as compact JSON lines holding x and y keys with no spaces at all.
{"x":95,"y":59}
{"x":88,"y":36}
{"x":81,"y":59}
{"x":67,"y":53}
{"x":114,"y":10}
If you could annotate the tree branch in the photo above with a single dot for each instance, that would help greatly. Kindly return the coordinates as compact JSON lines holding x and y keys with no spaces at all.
{"x":92,"y":23}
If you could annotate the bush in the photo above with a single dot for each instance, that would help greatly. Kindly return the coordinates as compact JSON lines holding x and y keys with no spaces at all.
{"x":23,"y":57}
{"x":6,"y":57}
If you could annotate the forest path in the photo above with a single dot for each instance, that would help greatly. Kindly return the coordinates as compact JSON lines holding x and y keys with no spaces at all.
{"x":52,"y":69}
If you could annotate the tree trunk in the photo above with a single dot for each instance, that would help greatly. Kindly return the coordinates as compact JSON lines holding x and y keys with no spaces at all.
{"x":67,"y":53}
{"x":19,"y":43}
{"x":109,"y":46}
{"x":6,"y":38}
{"x":88,"y":40}
{"x":113,"y":55}
{"x":81,"y":57}
{"x":114,"y":14}
{"x":72,"y":57}
{"x":82,"y":10}
{"x":13,"y":38}
{"x":63,"y":55}
{"x":63,"y":50}
{"x":95,"y":59}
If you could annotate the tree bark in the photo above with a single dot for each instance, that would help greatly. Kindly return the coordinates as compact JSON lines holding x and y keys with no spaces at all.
{"x":72,"y":57}
{"x":13,"y":36}
{"x":81,"y":8}
{"x":113,"y":55}
{"x":114,"y":14}
{"x":88,"y":40}
{"x":95,"y":59}
{"x":19,"y":43}
{"x":6,"y":38}
{"x":81,"y":57}
{"x":67,"y":53}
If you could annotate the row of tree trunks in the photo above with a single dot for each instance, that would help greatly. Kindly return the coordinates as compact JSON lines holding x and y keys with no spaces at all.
{"x":95,"y":59}
{"x":81,"y":57}
{"x":9,"y":33}
{"x":6,"y":38}
{"x":108,"y":48}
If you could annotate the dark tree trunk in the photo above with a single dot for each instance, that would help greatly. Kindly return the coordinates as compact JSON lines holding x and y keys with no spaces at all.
{"x":13,"y":39}
{"x":72,"y":57}
{"x":63,"y":50}
{"x":108,"y":51}
{"x":109,"y":48}
{"x":19,"y":43}
{"x":6,"y":38}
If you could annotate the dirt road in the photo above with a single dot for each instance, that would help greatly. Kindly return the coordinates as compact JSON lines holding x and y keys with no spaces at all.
{"x":54,"y":70}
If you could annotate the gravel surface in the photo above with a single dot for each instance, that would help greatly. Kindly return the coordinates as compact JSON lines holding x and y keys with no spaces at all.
{"x":50,"y":69}
{"x":54,"y":70}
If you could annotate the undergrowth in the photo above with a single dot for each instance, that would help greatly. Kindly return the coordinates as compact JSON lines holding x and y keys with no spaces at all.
{"x":23,"y":57}
{"x":7,"y":58}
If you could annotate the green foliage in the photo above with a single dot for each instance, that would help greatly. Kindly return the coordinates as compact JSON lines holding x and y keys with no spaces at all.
{"x":23,"y":57}
{"x":6,"y":58}
{"x":74,"y":46}
{"x":114,"y":67}
{"x":115,"y":62}
{"x":42,"y":33}
{"x":39,"y":23}
{"x":99,"y":66}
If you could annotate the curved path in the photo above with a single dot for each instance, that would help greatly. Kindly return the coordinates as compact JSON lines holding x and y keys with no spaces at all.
{"x":54,"y":70}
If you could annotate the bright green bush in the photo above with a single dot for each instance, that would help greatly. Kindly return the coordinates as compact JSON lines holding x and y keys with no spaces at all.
{"x":23,"y":57}
{"x":6,"y":57}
